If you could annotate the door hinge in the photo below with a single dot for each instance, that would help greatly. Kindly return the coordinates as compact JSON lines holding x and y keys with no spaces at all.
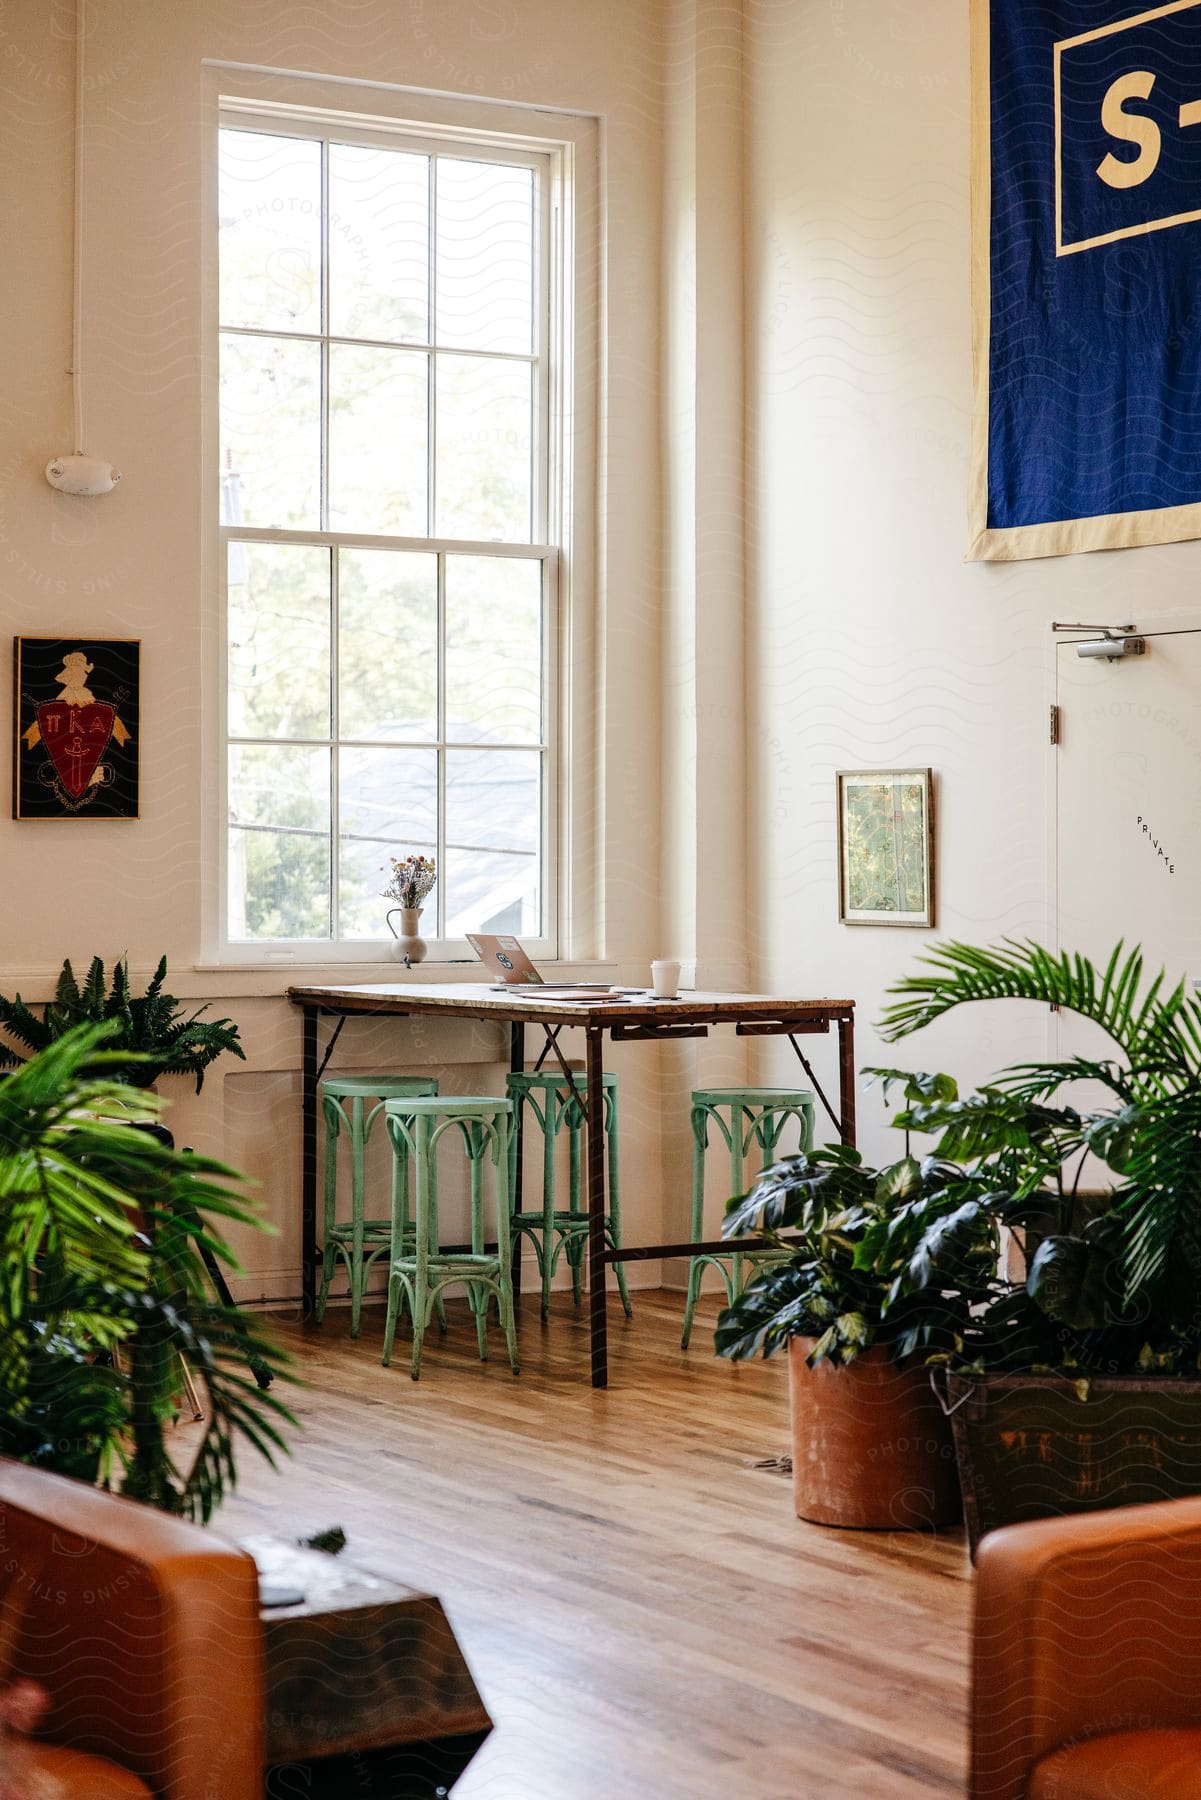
{"x":1054,"y":724}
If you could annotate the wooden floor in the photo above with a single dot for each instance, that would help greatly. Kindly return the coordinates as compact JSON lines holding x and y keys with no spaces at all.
{"x":644,"y":1614}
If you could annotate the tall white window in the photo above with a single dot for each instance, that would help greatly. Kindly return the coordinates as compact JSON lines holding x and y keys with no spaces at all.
{"x":387,"y":514}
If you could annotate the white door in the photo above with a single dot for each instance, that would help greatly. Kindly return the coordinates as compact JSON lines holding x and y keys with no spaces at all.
{"x":1128,"y":805}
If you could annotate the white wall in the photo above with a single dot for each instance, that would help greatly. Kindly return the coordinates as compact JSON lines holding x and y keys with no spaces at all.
{"x":873,"y":643}
{"x":785,"y":427}
{"x":130,"y":564}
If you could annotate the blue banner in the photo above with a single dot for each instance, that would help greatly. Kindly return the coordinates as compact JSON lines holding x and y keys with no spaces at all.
{"x":1087,"y":202}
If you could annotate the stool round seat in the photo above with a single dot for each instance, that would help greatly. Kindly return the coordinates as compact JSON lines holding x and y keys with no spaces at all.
{"x":547,"y":1081}
{"x":381,"y":1087}
{"x":419,"y":1269}
{"x":745,"y":1117}
{"x":455,"y":1106}
{"x":789,"y":1099}
{"x":358,"y":1241}
{"x":558,"y":1231}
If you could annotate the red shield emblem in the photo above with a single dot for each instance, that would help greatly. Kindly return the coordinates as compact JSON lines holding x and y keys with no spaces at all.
{"x":76,"y":737}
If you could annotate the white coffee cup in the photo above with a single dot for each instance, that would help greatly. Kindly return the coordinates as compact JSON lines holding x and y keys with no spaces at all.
{"x":665,"y":980}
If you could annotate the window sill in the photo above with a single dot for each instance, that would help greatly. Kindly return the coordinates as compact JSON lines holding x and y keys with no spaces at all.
{"x":270,"y":979}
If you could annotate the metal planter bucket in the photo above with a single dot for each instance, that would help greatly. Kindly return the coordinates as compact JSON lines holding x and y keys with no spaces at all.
{"x":1028,"y":1447}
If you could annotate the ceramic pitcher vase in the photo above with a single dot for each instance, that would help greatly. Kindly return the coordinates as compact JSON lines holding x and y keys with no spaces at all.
{"x":409,"y":946}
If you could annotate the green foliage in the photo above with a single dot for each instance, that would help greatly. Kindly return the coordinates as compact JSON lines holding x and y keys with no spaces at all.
{"x":1112,"y":1284}
{"x":102,"y":1288}
{"x":855,"y":1232}
{"x":1121,"y":1287}
{"x":151,"y":1027}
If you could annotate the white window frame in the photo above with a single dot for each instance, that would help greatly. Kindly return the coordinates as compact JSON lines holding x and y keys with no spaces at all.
{"x":566,"y":527}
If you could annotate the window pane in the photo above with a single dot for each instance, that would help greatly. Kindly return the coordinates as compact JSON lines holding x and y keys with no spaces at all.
{"x":270,"y":244}
{"x":379,"y":233}
{"x":485,"y":256}
{"x":377,"y":440}
{"x":270,"y":432}
{"x":389,"y":805}
{"x":484,"y":479}
{"x":388,"y":656}
{"x":493,"y":821}
{"x":279,"y":641}
{"x":278,"y":842}
{"x":493,"y":650}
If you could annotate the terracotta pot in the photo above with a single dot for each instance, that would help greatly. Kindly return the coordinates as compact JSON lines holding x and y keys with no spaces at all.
{"x":871,"y":1448}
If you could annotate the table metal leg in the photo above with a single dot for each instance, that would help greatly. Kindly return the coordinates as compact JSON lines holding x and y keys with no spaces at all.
{"x":308,"y":1167}
{"x":597,"y":1247}
{"x":517,"y":1067}
{"x":846,"y":1077}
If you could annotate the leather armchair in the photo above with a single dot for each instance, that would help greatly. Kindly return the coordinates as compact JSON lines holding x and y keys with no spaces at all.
{"x":1086,"y":1679}
{"x":144,"y":1631}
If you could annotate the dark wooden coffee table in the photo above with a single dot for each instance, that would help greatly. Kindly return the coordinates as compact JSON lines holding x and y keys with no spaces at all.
{"x":367,"y":1690}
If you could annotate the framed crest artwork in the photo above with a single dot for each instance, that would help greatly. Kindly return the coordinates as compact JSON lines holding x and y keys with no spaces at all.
{"x":76,"y":707}
{"x":886,"y":846}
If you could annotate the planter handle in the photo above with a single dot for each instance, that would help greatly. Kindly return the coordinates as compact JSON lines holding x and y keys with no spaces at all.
{"x":940,"y":1395}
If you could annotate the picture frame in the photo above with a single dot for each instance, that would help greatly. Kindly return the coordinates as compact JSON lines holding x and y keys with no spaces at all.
{"x":886,"y":868}
{"x":77,"y":727}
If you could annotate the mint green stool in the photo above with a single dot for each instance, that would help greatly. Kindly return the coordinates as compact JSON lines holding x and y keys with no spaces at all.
{"x":558,"y":1231}
{"x":359,"y":1241}
{"x":756,"y":1116}
{"x":419,"y":1269}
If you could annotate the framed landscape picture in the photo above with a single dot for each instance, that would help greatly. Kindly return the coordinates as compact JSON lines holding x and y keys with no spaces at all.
{"x":886,"y":846}
{"x":76,"y":710}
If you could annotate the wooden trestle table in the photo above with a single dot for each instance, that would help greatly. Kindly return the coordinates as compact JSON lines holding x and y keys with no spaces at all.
{"x":691,"y":1015}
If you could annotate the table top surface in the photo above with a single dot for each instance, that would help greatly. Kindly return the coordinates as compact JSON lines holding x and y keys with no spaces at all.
{"x":359,"y":1663}
{"x":329,"y":1584}
{"x":480,"y":999}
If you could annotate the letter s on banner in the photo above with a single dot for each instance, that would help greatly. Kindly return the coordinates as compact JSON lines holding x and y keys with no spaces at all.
{"x":1132,"y":128}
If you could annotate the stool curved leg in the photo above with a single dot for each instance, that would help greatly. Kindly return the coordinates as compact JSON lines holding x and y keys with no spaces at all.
{"x":420,"y":1297}
{"x":735,"y":1278}
{"x":477,"y":1291}
{"x":577,"y":1241}
{"x":435,"y":1238}
{"x":696,"y":1267}
{"x":399,"y":1233}
{"x":395,"y":1299}
{"x":547,"y":1259}
{"x":477,"y":1300}
{"x":504,"y":1242}
{"x":613,"y":1232}
{"x":357,"y":1147}
{"x":328,"y":1251}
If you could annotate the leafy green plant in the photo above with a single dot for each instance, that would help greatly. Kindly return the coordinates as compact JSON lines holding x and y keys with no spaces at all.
{"x":163,"y":1039}
{"x":852,"y":1229}
{"x":103,"y":1290}
{"x":910,"y":1256}
{"x":1150,"y":1134}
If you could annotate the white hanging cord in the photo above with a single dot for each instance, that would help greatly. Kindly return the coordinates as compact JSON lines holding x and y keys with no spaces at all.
{"x":77,"y":473}
{"x":77,"y":273}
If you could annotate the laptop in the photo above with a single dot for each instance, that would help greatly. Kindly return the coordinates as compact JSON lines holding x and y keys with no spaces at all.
{"x":505,"y":958}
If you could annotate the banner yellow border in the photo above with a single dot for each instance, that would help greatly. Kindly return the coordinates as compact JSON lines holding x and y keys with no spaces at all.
{"x":1059,"y":537}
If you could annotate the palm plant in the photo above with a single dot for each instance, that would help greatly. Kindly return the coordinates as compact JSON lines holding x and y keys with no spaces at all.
{"x":162,"y":1038}
{"x":1113,"y":1286}
{"x":102,"y":1289}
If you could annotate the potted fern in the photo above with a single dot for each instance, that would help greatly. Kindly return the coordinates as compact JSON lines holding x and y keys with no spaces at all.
{"x":1074,"y":1377}
{"x":162,"y":1038}
{"x":102,"y":1233}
